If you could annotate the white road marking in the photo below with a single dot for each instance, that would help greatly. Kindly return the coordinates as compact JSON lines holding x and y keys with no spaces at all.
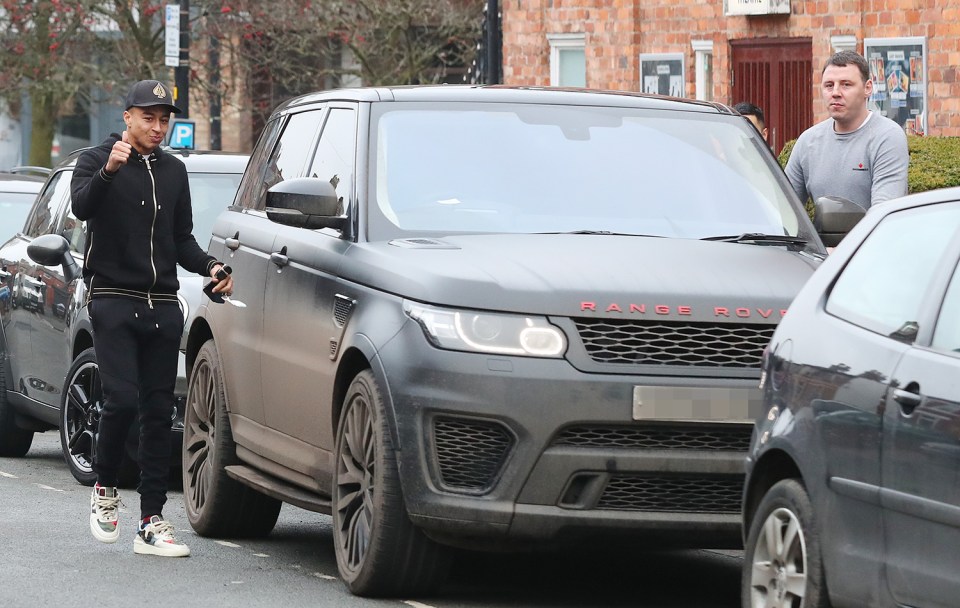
{"x":40,"y":485}
{"x":325,"y":577}
{"x":8,"y":475}
{"x":416,"y":604}
{"x":260,"y":555}
{"x":227,"y":544}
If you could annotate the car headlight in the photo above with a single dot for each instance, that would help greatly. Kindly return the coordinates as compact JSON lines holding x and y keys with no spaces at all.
{"x":488,"y":332}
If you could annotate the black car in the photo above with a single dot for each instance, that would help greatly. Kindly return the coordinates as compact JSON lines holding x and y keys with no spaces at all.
{"x":852,"y":495}
{"x":49,"y":375}
{"x":490,"y":317}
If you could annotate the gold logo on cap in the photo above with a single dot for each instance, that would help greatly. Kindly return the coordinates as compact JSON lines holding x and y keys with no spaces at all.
{"x":159,"y":91}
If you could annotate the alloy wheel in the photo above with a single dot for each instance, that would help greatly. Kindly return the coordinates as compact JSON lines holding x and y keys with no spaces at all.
{"x":779,"y":570}
{"x":81,"y":418}
{"x":356,"y":462}
{"x":199,"y":434}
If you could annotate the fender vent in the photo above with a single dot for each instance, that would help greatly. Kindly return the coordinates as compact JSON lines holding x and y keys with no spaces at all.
{"x":342,"y":309}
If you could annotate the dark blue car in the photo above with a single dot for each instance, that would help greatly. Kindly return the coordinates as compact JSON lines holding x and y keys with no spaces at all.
{"x":853,"y":477}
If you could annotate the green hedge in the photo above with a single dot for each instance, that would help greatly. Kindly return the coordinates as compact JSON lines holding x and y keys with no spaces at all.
{"x":934,"y":162}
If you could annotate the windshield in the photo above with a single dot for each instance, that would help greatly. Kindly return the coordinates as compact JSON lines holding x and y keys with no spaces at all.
{"x":529,"y":169}
{"x":14,"y":207}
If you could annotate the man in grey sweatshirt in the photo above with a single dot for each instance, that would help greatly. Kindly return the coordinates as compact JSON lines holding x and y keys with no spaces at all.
{"x":855,"y":154}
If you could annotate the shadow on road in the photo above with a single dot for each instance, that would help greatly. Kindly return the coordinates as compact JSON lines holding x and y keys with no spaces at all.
{"x":665,"y":579}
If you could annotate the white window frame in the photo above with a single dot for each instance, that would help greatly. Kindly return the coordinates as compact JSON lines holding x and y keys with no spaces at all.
{"x":703,"y":54}
{"x":565,"y":41}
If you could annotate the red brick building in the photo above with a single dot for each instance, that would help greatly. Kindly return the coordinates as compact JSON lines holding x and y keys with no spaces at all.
{"x":769,"y":52}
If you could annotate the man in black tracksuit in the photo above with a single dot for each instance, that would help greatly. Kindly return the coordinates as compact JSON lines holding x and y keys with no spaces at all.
{"x":136,"y":202}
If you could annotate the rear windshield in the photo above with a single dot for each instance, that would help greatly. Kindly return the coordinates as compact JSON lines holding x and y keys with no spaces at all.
{"x":533,"y":168}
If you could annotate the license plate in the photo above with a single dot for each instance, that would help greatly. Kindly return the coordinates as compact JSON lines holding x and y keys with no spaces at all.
{"x":696,"y":404}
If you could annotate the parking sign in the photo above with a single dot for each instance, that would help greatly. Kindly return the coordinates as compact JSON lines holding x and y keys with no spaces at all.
{"x":181,"y":134}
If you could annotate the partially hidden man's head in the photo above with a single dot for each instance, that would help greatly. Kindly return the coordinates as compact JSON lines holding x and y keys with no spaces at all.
{"x":754,"y":114}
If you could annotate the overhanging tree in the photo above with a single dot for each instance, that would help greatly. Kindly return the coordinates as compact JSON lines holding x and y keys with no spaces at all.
{"x":46,"y":57}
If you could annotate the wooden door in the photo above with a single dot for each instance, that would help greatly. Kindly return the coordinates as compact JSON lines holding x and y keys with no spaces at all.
{"x":775,"y":74}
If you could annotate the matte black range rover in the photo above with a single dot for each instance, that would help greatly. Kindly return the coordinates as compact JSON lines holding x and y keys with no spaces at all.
{"x":490,"y":316}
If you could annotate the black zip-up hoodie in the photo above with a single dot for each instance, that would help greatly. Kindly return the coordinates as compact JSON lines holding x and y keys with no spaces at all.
{"x":139,"y":223}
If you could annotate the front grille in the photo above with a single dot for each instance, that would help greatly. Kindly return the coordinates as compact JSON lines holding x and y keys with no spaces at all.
{"x":732,"y":437}
{"x":635,"y":342}
{"x":469,"y":453}
{"x":693,"y":494}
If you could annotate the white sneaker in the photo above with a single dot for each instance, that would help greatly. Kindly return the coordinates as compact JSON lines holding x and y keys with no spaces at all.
{"x":156,"y":538}
{"x":104,"y":514}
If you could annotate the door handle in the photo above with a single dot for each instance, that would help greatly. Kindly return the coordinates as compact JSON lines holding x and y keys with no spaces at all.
{"x":280,"y":257}
{"x":908,"y":400}
{"x":233,"y":243}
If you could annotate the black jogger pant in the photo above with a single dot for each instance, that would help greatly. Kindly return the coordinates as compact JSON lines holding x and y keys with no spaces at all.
{"x":136,"y":348}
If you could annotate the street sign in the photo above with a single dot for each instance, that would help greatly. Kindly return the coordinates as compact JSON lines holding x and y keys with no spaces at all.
{"x":172,"y":35}
{"x":181,"y":134}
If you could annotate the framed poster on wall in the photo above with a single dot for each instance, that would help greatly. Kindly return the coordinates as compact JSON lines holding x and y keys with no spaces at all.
{"x":662,"y":74}
{"x":898,"y":68}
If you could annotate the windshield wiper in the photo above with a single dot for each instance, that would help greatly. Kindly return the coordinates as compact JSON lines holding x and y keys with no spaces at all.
{"x":603,"y":233}
{"x":758,"y":237}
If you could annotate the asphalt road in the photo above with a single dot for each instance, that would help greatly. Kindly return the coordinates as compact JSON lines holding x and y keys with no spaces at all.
{"x":49,"y":558}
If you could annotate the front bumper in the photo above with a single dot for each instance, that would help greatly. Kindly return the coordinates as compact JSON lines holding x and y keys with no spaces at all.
{"x":518,"y":448}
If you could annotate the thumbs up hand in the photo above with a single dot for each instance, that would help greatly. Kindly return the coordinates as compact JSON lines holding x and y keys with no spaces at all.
{"x":120,"y":154}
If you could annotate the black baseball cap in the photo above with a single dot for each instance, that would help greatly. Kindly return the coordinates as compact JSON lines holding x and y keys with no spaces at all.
{"x":149,"y":93}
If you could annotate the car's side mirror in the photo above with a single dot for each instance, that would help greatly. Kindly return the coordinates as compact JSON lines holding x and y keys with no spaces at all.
{"x":834,"y":217}
{"x":305,"y":202}
{"x":53,"y":249}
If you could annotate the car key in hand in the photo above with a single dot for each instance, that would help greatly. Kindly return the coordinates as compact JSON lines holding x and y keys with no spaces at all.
{"x":219,"y":298}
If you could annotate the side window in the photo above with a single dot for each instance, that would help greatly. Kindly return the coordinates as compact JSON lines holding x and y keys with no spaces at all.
{"x":43,"y":219}
{"x":946,"y":336}
{"x":884,"y":285}
{"x":74,"y":231}
{"x":289,"y":157}
{"x":251,"y":184}
{"x":336,"y":153}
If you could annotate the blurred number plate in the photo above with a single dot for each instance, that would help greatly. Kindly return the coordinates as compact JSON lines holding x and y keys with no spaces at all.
{"x":692,"y":404}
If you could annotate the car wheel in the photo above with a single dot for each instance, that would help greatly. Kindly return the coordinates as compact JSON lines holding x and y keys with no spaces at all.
{"x":217,"y":505}
{"x":80,"y":409}
{"x":782,"y":564}
{"x":379,"y":550}
{"x":14,"y":441}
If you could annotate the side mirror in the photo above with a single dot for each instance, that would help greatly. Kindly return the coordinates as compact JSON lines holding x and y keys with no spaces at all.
{"x":305,"y":202}
{"x":835,"y":217}
{"x":53,"y":249}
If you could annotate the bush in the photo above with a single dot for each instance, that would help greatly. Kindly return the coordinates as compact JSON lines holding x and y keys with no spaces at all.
{"x":934,"y":162}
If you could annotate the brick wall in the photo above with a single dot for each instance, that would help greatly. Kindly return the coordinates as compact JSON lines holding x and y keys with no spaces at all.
{"x":617,"y":31}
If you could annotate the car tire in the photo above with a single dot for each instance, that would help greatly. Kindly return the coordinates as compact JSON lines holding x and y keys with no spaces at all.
{"x":216,"y":504}
{"x":782,"y":563}
{"x":379,"y":550}
{"x":14,"y":441}
{"x":80,"y":408}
